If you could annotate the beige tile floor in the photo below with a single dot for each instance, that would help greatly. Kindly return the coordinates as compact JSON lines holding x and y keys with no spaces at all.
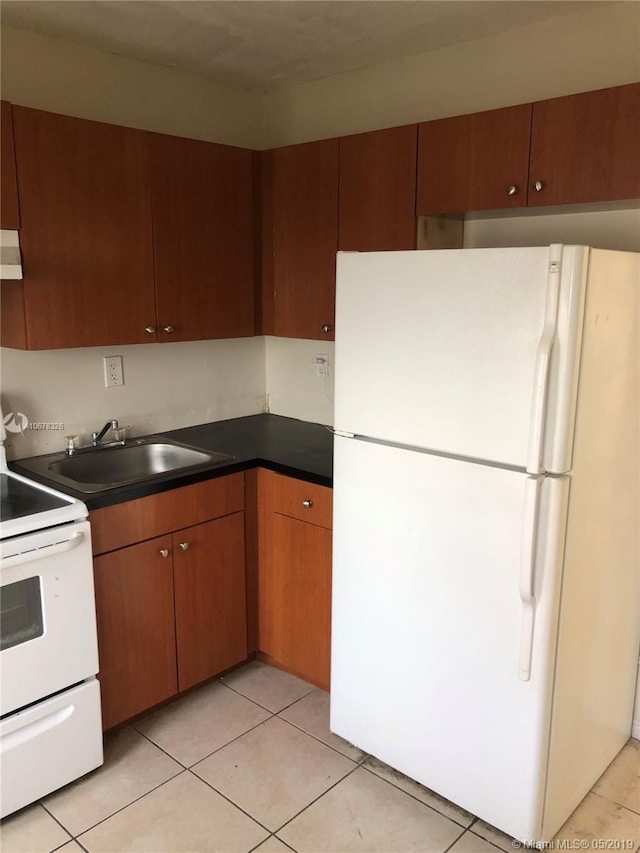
{"x":248,"y":763}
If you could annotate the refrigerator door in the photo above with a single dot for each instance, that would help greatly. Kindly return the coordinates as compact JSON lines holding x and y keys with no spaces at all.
{"x":472,"y":352}
{"x":435,"y":576}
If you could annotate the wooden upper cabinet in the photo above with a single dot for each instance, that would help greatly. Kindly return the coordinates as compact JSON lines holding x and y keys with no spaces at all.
{"x":202,"y":200}
{"x":300,"y":200}
{"x":9,"y":208}
{"x":586,"y":147}
{"x":474,"y":162}
{"x":378,"y":190}
{"x":85,"y":231}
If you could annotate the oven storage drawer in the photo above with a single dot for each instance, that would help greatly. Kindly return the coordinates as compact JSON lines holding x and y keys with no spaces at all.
{"x":48,"y":628}
{"x":49,"y":745}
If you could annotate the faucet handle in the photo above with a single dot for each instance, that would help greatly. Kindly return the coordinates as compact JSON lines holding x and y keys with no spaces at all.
{"x":96,"y":437}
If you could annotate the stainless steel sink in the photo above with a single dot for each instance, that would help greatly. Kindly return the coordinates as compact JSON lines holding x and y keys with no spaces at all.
{"x":107,"y":468}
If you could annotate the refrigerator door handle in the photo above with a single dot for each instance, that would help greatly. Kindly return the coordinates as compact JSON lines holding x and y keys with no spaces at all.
{"x":527,"y":573}
{"x":543,"y":363}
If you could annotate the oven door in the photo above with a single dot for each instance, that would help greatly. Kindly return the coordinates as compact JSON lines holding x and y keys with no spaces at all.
{"x":48,"y":618}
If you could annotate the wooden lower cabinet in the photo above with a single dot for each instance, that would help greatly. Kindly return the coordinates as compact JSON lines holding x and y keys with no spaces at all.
{"x":136,"y":633}
{"x":210,"y":598}
{"x":294,"y":577}
{"x":295,"y":599}
{"x":171,"y":610}
{"x":176,"y":609}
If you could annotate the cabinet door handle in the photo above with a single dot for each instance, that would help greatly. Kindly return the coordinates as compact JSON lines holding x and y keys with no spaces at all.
{"x":326,"y":327}
{"x":169,"y":329}
{"x":164,"y":552}
{"x":184,"y":545}
{"x":538,"y":186}
{"x":514,"y":189}
{"x":150,"y":330}
{"x":307,"y":504}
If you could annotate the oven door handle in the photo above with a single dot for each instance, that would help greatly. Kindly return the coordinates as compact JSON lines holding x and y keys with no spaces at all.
{"x":46,"y":551}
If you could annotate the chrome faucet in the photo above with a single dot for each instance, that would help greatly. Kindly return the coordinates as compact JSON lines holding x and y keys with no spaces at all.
{"x":96,"y":437}
{"x":96,"y":440}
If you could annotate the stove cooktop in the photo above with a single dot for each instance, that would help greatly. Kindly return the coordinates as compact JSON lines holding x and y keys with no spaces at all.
{"x":27,"y":507}
{"x":19,"y":499}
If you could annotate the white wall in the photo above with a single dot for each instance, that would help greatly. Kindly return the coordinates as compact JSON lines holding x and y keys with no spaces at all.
{"x":166,"y":386}
{"x":293,"y":388}
{"x":58,"y":75}
{"x":571,"y":53}
{"x":614,"y":228}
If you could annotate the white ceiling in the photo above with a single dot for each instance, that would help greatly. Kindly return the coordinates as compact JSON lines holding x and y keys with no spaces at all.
{"x":262,"y":45}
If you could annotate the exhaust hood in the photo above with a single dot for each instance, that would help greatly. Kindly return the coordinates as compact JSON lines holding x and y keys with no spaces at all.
{"x":10,"y":258}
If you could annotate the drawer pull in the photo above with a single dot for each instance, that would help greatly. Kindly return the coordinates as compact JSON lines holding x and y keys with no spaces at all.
{"x":307,"y":504}
{"x":184,"y":545}
{"x":164,"y":552}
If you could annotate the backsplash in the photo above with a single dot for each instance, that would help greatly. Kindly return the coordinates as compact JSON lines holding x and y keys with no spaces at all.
{"x":167,"y":386}
{"x":293,"y":387}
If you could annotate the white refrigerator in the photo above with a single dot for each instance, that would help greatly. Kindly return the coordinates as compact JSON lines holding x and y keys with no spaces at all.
{"x":486,"y":605}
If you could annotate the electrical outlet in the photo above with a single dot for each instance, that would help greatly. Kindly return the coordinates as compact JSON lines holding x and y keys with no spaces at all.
{"x":113,"y":374}
{"x":322,"y":365}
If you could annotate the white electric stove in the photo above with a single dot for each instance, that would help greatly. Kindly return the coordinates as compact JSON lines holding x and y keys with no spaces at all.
{"x":50,"y":722}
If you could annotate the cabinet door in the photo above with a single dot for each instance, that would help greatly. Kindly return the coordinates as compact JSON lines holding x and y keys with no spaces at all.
{"x":304,"y":196}
{"x":202,"y":199}
{"x":210,"y":594}
{"x":136,"y":630}
{"x":86,"y":231}
{"x":295,"y":598}
{"x":586,"y":147}
{"x":9,"y":210}
{"x":474,"y":162}
{"x":378,"y":190}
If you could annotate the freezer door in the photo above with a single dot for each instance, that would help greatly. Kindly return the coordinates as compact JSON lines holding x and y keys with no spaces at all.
{"x":470,"y":352}
{"x":431,"y":568}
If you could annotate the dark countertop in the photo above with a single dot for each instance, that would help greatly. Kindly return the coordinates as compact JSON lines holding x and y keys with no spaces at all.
{"x":296,"y":448}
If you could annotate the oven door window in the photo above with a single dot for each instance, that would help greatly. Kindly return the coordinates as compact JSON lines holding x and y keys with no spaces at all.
{"x":21,"y":612}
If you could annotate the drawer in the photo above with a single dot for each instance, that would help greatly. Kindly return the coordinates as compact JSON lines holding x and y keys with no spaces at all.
{"x":298,"y":499}
{"x":134,"y":521}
